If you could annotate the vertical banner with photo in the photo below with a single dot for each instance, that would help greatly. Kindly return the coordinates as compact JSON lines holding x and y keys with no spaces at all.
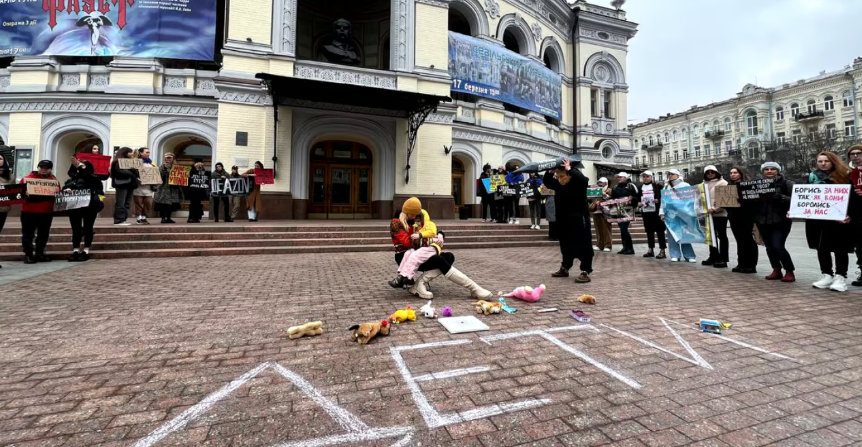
{"x":684,"y":214}
{"x":483,"y":69}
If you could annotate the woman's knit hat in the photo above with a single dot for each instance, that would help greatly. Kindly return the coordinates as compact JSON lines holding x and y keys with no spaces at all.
{"x":770,"y":164}
{"x":412,"y":206}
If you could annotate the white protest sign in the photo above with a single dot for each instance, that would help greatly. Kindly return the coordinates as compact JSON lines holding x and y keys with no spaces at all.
{"x":821,"y":202}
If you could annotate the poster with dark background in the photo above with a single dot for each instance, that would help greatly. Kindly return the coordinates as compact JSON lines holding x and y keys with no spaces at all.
{"x":169,"y":29}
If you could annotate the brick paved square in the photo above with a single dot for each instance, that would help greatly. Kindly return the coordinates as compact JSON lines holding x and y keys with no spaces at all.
{"x":192,"y":351}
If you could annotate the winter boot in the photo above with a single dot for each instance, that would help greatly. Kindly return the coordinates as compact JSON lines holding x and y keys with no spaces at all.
{"x":462,"y":280}
{"x":661,"y":254}
{"x":789,"y":277}
{"x":649,"y":254}
{"x":421,"y":287}
{"x":775,"y":275}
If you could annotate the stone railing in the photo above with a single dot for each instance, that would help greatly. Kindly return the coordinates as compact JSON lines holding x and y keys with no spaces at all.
{"x":189,"y":82}
{"x":320,"y":71}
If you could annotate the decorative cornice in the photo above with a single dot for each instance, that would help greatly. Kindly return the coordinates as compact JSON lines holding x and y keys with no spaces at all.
{"x":258,"y":99}
{"x":345,"y":75}
{"x":470,"y":133}
{"x":108,"y":107}
{"x":440,"y":118}
{"x":438,"y":3}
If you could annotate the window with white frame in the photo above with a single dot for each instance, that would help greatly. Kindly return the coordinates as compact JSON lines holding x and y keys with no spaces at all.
{"x":651,"y":142}
{"x":697,"y":152}
{"x":751,"y":123}
{"x":685,"y":173}
{"x":849,"y":129}
{"x":685,"y":154}
{"x":667,"y":157}
{"x":728,"y":146}
{"x":728,"y":125}
{"x":716,"y":125}
{"x":706,"y":150}
{"x":796,"y":136}
{"x":794,"y":109}
{"x":829,"y":103}
{"x":675,"y":155}
{"x":674,"y":136}
{"x":831,"y":131}
{"x":684,"y":134}
{"x":660,"y":177}
{"x":780,"y":137}
{"x":706,"y":127}
{"x":594,"y":102}
{"x":608,"y":104}
{"x":651,"y":158}
{"x":848,"y":98}
{"x":812,"y":106}
{"x":666,"y":138}
{"x":695,"y":131}
{"x":779,"y":114}
{"x":644,"y":160}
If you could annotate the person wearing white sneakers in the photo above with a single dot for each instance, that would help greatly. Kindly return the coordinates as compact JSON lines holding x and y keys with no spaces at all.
{"x":513,"y":208}
{"x":676,"y":249}
{"x":534,"y":183}
{"x":831,"y":237}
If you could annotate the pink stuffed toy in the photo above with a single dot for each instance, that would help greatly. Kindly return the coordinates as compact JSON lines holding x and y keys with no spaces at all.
{"x":527,"y":293}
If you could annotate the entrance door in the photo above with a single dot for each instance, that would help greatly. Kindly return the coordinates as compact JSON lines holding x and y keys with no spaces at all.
{"x":340,"y":181}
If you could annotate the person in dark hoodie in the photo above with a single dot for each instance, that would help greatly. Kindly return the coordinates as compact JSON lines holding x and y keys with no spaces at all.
{"x":37,"y":214}
{"x":124,"y":181}
{"x":220,"y":173}
{"x":625,"y":188}
{"x":513,"y":202}
{"x":774,"y":225}
{"x":486,"y":197}
{"x":199,"y":190}
{"x":83,"y":219}
{"x":742,"y":225}
{"x":573,"y":220}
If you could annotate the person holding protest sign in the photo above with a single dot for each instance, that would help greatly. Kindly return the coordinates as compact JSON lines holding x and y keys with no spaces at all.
{"x":143,"y":194}
{"x":650,"y":203}
{"x":573,"y":220}
{"x":487,"y":198}
{"x":235,"y":202}
{"x":83,"y":219}
{"x":830,"y":237}
{"x":220,"y":173}
{"x":604,"y":241}
{"x":37,"y":214}
{"x":534,"y":183}
{"x":718,"y":256}
{"x":5,"y":179}
{"x":625,"y":188}
{"x":168,"y":197}
{"x":513,"y":208}
{"x":199,"y":190}
{"x":742,"y":225}
{"x":677,"y":250}
{"x":854,"y":154}
{"x":773,"y":223}
{"x":252,"y":201}
{"x":124,"y":181}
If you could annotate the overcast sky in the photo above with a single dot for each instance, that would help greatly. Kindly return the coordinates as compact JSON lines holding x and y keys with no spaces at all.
{"x":689,"y":52}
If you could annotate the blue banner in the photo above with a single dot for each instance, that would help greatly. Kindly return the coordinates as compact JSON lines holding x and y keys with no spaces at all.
{"x":483,"y":69}
{"x":684,"y":214}
{"x":169,"y":29}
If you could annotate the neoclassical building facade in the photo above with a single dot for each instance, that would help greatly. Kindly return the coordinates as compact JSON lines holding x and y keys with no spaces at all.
{"x":351,"y":103}
{"x":826,"y":105}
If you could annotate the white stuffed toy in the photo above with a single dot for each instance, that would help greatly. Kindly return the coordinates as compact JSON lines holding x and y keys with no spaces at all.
{"x":428,"y":310}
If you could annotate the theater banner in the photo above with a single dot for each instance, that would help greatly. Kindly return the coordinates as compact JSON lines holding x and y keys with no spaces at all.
{"x":483,"y":69}
{"x":170,"y":29}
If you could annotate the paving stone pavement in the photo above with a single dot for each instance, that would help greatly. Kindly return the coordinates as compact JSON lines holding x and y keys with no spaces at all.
{"x":192,"y":351}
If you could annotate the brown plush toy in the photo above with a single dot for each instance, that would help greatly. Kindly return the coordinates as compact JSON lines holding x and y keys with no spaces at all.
{"x":488,"y":308}
{"x":312,"y":328}
{"x":363,"y":333}
{"x":587,"y":299}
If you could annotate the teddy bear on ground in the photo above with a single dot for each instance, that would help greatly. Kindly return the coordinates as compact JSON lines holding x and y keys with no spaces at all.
{"x":587,"y":299}
{"x":363,"y":333}
{"x":312,"y":328}
{"x":487,"y":308}
{"x":402,"y":315}
{"x":428,"y":310}
{"x":526,"y":293}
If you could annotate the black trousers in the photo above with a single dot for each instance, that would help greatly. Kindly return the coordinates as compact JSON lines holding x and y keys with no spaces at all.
{"x":123,"y":204}
{"x":3,"y":220}
{"x":442,"y":262}
{"x":82,"y":221}
{"x":625,"y":235}
{"x":722,"y":252}
{"x":552,"y":231}
{"x":486,"y":207}
{"x":196,"y":209}
{"x":857,"y":232}
{"x":842,"y":262}
{"x":654,"y":227}
{"x":535,"y":211}
{"x":224,"y":201}
{"x":38,"y":226}
{"x":746,"y":249}
{"x":775,"y":237}
{"x":500,"y":214}
{"x":576,"y":242}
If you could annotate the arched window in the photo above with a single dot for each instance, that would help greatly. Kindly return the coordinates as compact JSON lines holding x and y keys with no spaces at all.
{"x":829,"y":103}
{"x":666,"y":138}
{"x":684,"y":134}
{"x":695,"y":130}
{"x":728,"y":125}
{"x":458,"y":21}
{"x":751,"y":123}
{"x":812,"y":106}
{"x":674,"y":136}
{"x":848,"y":98}
{"x":651,"y":142}
{"x":794,"y":109}
{"x":779,"y":113}
{"x":706,"y":127}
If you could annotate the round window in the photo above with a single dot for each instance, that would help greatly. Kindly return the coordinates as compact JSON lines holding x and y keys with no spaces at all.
{"x":607,"y":153}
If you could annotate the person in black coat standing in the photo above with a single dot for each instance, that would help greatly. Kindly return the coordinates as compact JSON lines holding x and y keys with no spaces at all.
{"x":124,"y":181}
{"x":773,"y":223}
{"x":199,"y":191}
{"x":625,"y":188}
{"x":83,"y":219}
{"x":742,"y":225}
{"x":573,"y":220}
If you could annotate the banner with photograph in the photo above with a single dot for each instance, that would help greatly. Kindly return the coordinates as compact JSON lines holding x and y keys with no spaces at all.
{"x":684,"y":214}
{"x":169,"y":29}
{"x":483,"y":69}
{"x":618,"y":210}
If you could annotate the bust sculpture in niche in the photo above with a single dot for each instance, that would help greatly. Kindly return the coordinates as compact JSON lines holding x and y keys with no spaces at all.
{"x":341,"y":49}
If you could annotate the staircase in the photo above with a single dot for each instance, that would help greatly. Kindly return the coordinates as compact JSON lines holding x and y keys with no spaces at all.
{"x":275,"y":237}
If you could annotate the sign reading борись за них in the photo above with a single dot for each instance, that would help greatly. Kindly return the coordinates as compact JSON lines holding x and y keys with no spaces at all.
{"x":171,"y":29}
{"x":821,"y":202}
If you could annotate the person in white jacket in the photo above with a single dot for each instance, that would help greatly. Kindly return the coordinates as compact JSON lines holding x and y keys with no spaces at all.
{"x":677,"y":250}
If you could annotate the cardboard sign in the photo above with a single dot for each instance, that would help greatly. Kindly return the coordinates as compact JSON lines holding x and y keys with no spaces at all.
{"x":42,"y":186}
{"x":231,"y":187}
{"x":199,"y":180}
{"x":263,"y":176}
{"x":130,"y":163}
{"x":497,"y":181}
{"x":820,"y":202}
{"x":618,"y":210}
{"x":12,"y":194}
{"x":179,"y":175}
{"x":65,"y":201}
{"x":594,"y":192}
{"x":101,"y":163}
{"x":756,"y":190}
{"x":150,"y":175}
{"x":726,"y":197}
{"x":543,"y":190}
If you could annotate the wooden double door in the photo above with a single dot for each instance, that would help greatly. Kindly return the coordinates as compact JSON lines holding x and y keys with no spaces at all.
{"x":341,"y":188}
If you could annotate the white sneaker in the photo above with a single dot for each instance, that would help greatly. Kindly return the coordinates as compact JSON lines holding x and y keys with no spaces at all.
{"x":510,"y":221}
{"x":517,"y":221}
{"x":674,"y":259}
{"x":825,"y":282}
{"x":596,"y":248}
{"x":839,"y":284}
{"x":692,"y":260}
{"x":607,"y":250}
{"x":123,"y":224}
